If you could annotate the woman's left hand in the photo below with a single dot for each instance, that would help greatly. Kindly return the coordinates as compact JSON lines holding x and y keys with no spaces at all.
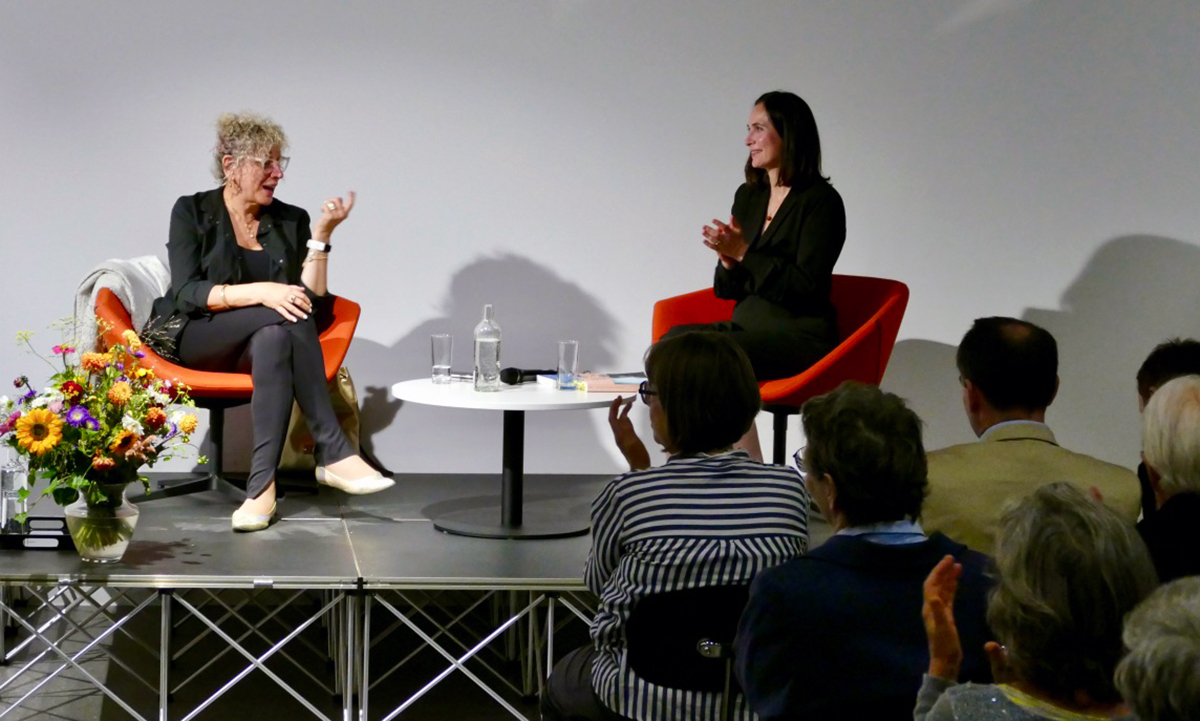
{"x":945,"y":649}
{"x":333,"y":212}
{"x":627,"y":439}
{"x":727,"y":241}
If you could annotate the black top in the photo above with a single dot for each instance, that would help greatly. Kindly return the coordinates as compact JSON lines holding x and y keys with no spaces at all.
{"x":256,"y":265}
{"x":786,"y":274}
{"x":202,"y":251}
{"x":1173,"y":536}
{"x":837,"y":633}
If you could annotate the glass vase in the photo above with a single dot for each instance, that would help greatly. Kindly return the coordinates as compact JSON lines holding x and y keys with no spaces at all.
{"x":102,"y":528}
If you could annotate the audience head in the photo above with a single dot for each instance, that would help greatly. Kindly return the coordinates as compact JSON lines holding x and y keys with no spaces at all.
{"x":793,"y":120}
{"x":245,"y":136}
{"x":1174,"y":358}
{"x":1171,"y":436}
{"x":1009,"y":364}
{"x":704,"y":389}
{"x":864,"y":460}
{"x":1160,"y":676}
{"x":1069,"y":570}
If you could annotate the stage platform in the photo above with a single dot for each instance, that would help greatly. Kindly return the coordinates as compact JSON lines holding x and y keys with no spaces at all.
{"x":295,"y":603}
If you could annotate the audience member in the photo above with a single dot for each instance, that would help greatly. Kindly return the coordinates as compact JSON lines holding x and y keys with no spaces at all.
{"x":1171,"y":454}
{"x":711,"y":516}
{"x":1170,"y":359}
{"x":1069,"y":569}
{"x":835,"y":633}
{"x":1008,"y":369}
{"x":1160,"y":676}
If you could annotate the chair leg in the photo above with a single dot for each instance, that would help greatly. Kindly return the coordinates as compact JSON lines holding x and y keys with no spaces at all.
{"x":779,"y":438}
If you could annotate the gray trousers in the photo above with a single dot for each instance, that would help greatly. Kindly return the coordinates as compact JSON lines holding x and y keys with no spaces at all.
{"x":284,"y":359}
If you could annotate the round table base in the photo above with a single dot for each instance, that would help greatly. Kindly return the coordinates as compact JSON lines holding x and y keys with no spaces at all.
{"x":536,"y":523}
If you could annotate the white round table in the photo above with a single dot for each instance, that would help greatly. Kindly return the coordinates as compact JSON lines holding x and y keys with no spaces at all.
{"x":514,"y":522}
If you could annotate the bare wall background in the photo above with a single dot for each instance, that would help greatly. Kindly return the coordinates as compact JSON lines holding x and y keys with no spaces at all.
{"x":558,"y":157}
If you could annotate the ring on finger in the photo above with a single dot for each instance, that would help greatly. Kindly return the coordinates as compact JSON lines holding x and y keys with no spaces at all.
{"x":331,"y":206}
{"x":291,"y":299}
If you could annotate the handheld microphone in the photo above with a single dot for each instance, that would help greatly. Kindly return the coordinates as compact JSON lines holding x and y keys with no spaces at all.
{"x":515,"y":376}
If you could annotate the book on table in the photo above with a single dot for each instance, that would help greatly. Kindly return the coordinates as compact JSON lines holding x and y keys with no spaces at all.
{"x":601,"y":382}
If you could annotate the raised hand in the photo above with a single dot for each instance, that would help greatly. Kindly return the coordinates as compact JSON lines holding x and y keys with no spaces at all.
{"x":333,"y":212}
{"x":627,"y":439}
{"x":945,"y":649}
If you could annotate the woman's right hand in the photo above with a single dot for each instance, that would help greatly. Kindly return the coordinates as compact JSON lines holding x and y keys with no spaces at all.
{"x":627,"y":439}
{"x":945,"y":649}
{"x":288,"y":300}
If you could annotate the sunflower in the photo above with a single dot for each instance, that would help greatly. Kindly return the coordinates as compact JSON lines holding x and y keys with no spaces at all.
{"x":122,"y":443}
{"x":39,"y":430}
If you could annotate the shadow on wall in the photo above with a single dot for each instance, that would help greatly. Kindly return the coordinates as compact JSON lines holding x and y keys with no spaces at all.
{"x":535,"y":309}
{"x":1134,"y":293}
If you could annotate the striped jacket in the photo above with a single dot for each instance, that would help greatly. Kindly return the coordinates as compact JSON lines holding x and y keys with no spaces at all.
{"x":695,"y":521}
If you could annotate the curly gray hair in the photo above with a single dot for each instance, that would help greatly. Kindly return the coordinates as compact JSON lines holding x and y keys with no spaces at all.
{"x":1160,"y":677}
{"x":245,"y":135}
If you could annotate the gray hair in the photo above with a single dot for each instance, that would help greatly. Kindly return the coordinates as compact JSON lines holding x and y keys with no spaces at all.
{"x":244,"y":135}
{"x":1160,"y":678}
{"x":1171,"y":434}
{"x":1069,"y":569}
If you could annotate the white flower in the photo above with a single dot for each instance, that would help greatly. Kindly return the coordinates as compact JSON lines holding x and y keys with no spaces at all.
{"x":175,"y":417}
{"x":159,"y":397}
{"x":5,"y":403}
{"x":129,"y":423}
{"x":45,"y":398}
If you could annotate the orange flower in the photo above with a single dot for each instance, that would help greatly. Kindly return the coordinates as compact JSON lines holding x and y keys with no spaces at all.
{"x":122,"y":443}
{"x":187,"y":426}
{"x":120,"y":393}
{"x":39,"y":430}
{"x":155,"y":417}
{"x":103,"y":463}
{"x":95,"y":362}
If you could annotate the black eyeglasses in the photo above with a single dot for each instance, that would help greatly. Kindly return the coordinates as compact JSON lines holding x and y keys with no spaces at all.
{"x":644,"y":390}
{"x":799,"y":459}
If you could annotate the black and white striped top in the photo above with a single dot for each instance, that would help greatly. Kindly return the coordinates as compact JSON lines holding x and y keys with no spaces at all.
{"x":695,"y":521}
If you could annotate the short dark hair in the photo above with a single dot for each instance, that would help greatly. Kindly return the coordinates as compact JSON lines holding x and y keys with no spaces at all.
{"x":797,"y":128}
{"x":706,"y":388}
{"x":1170,"y":359}
{"x":1012,"y":362}
{"x":1069,"y":568}
{"x":869,"y":442}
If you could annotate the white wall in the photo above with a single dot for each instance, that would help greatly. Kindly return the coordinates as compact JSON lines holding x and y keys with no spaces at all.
{"x":558,"y":158}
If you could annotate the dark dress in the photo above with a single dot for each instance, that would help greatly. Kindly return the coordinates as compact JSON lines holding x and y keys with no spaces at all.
{"x":783,"y":318}
{"x":837,"y":633}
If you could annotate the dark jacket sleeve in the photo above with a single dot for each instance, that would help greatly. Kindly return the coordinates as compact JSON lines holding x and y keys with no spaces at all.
{"x":184,"y":254}
{"x":763,"y":657}
{"x":733,"y":283}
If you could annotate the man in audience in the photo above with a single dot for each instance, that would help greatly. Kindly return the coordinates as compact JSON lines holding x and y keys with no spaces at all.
{"x":1160,"y":676}
{"x":837,"y":633}
{"x":1171,"y":452}
{"x":1171,"y":359}
{"x":1008,"y":369}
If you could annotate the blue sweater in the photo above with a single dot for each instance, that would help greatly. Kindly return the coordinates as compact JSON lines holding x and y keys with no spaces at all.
{"x":838,"y":633}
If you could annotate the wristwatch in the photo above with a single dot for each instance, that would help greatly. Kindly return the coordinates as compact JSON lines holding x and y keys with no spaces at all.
{"x":318,"y":245}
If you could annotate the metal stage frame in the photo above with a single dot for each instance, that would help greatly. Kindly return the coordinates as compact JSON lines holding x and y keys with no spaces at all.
{"x":303,"y":604}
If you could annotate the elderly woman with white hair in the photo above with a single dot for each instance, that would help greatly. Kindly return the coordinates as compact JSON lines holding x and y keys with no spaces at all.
{"x":1069,"y":569}
{"x":248,"y":280}
{"x":1160,"y":676}
{"x":1171,"y":452}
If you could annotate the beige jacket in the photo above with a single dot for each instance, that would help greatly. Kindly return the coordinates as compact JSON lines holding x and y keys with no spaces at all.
{"x":970,"y":484}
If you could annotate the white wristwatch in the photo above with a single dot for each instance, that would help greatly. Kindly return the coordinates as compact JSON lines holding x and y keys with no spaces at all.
{"x":318,"y":245}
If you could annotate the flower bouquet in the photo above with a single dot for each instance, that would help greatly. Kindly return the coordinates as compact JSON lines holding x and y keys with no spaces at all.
{"x":90,"y":431}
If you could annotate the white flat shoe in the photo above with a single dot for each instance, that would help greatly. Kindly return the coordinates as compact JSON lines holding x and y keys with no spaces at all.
{"x":246,"y":522}
{"x":356,"y":487}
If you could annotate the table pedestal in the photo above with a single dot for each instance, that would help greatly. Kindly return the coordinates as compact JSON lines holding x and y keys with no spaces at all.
{"x":515,"y":520}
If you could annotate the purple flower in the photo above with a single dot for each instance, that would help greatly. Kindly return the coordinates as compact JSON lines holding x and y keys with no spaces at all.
{"x":139,"y":354}
{"x":29,"y":396}
{"x":79,"y":417}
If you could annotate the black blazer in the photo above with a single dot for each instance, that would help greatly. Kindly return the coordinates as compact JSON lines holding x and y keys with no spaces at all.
{"x":786,"y":274}
{"x":202,"y":253}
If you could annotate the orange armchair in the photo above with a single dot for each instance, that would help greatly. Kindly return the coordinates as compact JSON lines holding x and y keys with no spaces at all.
{"x":218,"y":391}
{"x":869,"y":311}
